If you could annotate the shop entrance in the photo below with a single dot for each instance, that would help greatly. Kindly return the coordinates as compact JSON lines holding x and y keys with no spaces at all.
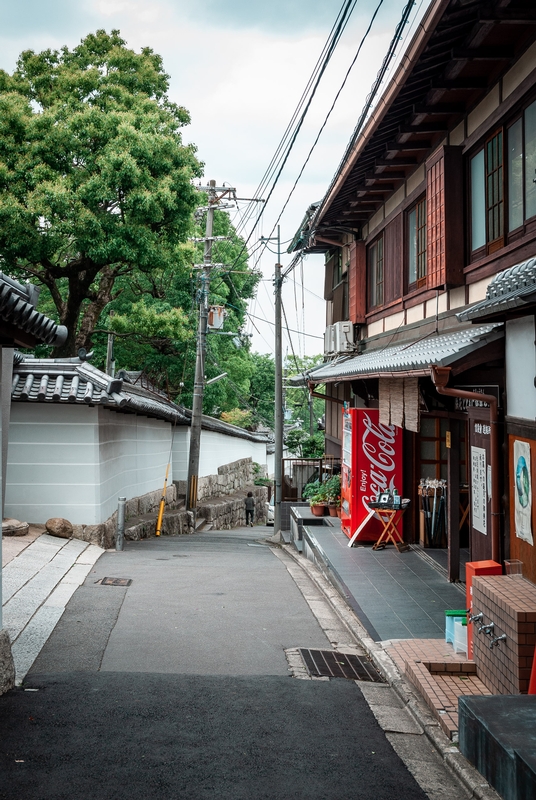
{"x":437,"y":459}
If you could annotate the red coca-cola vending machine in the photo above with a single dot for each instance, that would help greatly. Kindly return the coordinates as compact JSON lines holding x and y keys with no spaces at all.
{"x":371,"y":464}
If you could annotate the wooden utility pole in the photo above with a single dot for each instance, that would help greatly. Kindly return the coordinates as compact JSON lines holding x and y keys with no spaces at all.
{"x":199,"y":383}
{"x":278,"y":457}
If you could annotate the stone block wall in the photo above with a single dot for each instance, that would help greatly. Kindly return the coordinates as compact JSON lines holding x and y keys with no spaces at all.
{"x":224,"y":513}
{"x":231,"y":478}
{"x":104,"y":533}
{"x":510,"y":603}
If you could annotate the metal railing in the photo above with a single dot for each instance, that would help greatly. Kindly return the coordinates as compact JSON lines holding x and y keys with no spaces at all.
{"x":298,"y":472}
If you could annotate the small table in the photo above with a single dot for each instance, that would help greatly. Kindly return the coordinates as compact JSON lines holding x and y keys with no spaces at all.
{"x":390,"y":517}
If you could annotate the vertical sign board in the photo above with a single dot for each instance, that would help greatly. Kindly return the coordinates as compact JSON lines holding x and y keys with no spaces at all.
{"x":371,"y":464}
{"x":480,"y":482}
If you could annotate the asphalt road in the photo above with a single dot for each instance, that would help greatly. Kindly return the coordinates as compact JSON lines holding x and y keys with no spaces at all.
{"x":178,"y":687}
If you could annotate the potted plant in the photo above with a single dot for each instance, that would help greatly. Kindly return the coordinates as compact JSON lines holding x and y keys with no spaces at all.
{"x":333,"y":494}
{"x":315,"y":492}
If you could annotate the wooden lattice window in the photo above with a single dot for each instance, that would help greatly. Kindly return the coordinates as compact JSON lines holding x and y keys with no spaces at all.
{"x":376,"y":277}
{"x":417,"y":244}
{"x":494,"y":189}
{"x":487,"y":196}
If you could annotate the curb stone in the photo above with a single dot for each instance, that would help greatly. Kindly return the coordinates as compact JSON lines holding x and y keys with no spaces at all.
{"x":457,"y":763}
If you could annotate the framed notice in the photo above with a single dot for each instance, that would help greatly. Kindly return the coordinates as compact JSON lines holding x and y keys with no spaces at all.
{"x":479,"y":494}
{"x":522,"y":491}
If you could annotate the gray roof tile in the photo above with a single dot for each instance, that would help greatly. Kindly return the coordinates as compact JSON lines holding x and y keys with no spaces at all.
{"x":511,"y":288}
{"x":442,"y":349}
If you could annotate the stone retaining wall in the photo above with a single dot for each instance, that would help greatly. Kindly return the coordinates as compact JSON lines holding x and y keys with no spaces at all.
{"x":104,"y":533}
{"x":224,"y":513}
{"x":231,"y":478}
{"x":221,"y":513}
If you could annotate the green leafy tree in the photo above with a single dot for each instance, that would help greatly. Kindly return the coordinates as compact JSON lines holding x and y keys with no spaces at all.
{"x":297,"y":397}
{"x":95,"y":182}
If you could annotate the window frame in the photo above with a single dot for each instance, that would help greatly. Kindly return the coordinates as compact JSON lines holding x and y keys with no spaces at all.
{"x":509,"y":233}
{"x":375,"y":285}
{"x":498,"y":184}
{"x":421,"y":264}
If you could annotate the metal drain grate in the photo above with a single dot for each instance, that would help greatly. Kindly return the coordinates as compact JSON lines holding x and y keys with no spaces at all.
{"x":329,"y":664}
{"x":116,"y":581}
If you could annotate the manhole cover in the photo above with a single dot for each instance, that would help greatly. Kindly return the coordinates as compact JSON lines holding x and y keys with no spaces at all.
{"x":116,"y":581}
{"x":329,"y":664}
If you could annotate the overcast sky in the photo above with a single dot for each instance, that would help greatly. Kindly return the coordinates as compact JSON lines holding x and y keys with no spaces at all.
{"x":239,"y":67}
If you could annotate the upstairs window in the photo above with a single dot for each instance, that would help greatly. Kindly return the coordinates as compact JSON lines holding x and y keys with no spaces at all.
{"x":417,"y":245}
{"x":487,"y":196}
{"x":375,"y":270}
{"x":503,"y":183}
{"x":521,"y":165}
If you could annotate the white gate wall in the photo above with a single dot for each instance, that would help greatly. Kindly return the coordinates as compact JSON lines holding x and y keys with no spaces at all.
{"x":217,"y":449}
{"x":73,"y":461}
{"x":181,"y":451}
{"x":133,"y":455}
{"x":52,"y":463}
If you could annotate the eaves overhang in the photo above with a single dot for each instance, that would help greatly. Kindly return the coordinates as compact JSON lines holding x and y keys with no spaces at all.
{"x":458,"y":53}
{"x":510,"y":290}
{"x":406,"y":359}
{"x":20,"y":323}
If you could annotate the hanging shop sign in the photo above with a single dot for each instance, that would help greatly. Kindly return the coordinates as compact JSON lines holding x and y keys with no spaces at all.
{"x":479,"y":494}
{"x":462,"y":404}
{"x":522,"y":491}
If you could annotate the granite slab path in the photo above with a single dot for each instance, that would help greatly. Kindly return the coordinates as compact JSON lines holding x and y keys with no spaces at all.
{"x":37,"y":584}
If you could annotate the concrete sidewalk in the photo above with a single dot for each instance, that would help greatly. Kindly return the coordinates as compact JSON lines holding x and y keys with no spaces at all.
{"x":38,"y":580}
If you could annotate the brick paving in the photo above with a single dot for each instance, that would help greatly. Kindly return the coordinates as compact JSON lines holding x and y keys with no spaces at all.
{"x":440,"y":675}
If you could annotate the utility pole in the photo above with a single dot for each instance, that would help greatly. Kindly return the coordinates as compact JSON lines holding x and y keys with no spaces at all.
{"x":199,"y":383}
{"x":278,"y":355}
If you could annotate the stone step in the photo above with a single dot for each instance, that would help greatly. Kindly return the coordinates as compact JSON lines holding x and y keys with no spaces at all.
{"x":38,"y":585}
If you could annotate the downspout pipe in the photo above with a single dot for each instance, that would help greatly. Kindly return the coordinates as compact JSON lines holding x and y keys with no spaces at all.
{"x":440,"y":377}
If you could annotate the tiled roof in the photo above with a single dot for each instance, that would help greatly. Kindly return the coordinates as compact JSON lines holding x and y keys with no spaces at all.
{"x":74,"y":381}
{"x":442,"y":349}
{"x":512,"y":288}
{"x":47,"y":380}
{"x":17,"y":309}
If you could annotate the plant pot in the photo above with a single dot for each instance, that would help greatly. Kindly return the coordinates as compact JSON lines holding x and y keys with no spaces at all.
{"x":339,"y":512}
{"x":332,"y":511}
{"x":318,"y":509}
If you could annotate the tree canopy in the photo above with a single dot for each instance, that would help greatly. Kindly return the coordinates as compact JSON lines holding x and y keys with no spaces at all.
{"x":95,"y":181}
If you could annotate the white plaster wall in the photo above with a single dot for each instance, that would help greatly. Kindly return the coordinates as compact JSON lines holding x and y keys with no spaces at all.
{"x":133,"y":455}
{"x":181,"y":451}
{"x":520,"y":356}
{"x":218,"y":449}
{"x":52,"y":463}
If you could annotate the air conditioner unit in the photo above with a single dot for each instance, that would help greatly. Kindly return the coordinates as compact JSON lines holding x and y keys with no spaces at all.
{"x":344,"y":336}
{"x":329,"y":341}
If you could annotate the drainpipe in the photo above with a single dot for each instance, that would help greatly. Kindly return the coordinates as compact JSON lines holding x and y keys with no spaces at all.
{"x":440,"y":378}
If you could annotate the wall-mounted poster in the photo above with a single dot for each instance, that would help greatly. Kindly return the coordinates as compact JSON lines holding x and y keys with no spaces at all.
{"x":479,"y":495}
{"x":523,"y":491}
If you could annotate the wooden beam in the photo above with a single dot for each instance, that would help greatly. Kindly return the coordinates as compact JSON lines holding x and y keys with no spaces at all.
{"x":373,"y":177}
{"x":381,"y":189}
{"x":440,"y":108}
{"x":395,"y":163}
{"x":396,"y":147}
{"x":460,"y":84}
{"x":483,"y":54}
{"x":453,"y":502}
{"x":512,"y":16}
{"x":423,"y":127}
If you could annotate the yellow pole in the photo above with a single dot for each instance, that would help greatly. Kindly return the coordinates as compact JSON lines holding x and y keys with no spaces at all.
{"x":162,"y":505}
